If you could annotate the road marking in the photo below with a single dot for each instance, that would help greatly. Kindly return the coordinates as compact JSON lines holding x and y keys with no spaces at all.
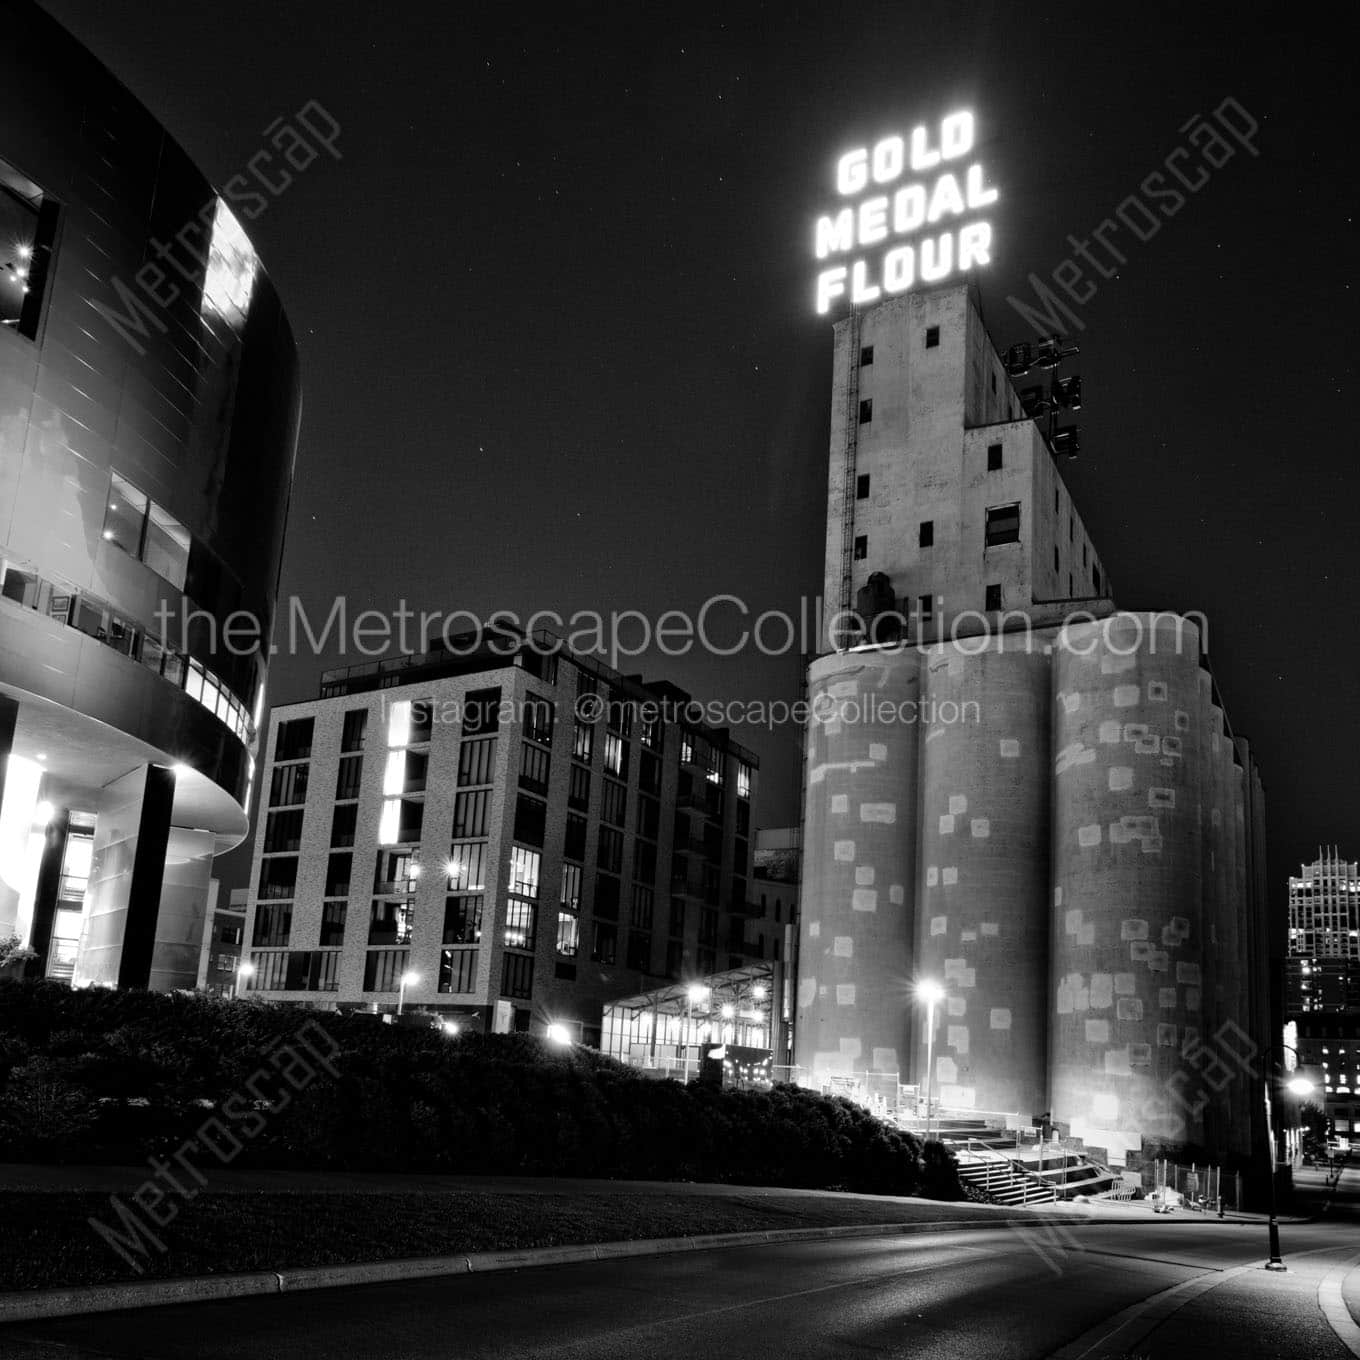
{"x":1161,"y":1305}
{"x":1333,"y":1304}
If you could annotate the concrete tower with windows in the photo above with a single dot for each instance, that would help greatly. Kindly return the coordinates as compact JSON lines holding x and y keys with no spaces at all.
{"x":1013,"y":789}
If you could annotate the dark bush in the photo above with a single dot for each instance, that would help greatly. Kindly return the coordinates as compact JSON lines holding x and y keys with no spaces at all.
{"x":106,"y":1076}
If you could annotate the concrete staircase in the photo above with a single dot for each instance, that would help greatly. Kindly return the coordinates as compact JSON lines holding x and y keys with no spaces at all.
{"x":990,"y":1160}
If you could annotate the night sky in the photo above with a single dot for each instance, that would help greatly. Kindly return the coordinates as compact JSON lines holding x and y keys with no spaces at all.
{"x":555,"y":311}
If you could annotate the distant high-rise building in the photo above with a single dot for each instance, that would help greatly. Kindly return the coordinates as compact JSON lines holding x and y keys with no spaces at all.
{"x":1322,"y":981}
{"x":519,"y":832}
{"x":1013,"y":790}
{"x":149,"y":406}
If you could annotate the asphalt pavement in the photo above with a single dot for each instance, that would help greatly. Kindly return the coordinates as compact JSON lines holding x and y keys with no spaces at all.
{"x":1139,"y":1288}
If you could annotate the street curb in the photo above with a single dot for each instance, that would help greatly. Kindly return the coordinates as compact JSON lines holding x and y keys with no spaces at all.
{"x":104,"y":1298}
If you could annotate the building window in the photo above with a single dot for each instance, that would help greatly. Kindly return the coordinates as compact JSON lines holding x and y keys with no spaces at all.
{"x":639,"y":956}
{"x":531,"y":820}
{"x":1056,"y":565}
{"x":571,"y":887}
{"x":278,"y":876}
{"x":524,"y":870}
{"x":574,"y":842}
{"x":477,"y":761}
{"x":533,"y":768}
{"x":288,"y":786}
{"x":338,"y":868}
{"x":463,"y":919}
{"x":614,"y":804}
{"x":343,"y":825}
{"x":606,"y":904}
{"x":1095,"y":578}
{"x":273,"y":921}
{"x":538,"y":720}
{"x":932,"y":337}
{"x":481,"y":712}
{"x":616,"y":755}
{"x":333,"y":923}
{"x":283,"y":831}
{"x":640,"y":917}
{"x":744,"y":779}
{"x":993,"y":600}
{"x":568,"y":935}
{"x":611,"y":849}
{"x":467,"y":868}
{"x":470,"y":814}
{"x":520,"y":921}
{"x":517,"y":976}
{"x":861,"y":547}
{"x":354,"y":730}
{"x":866,"y":410}
{"x":458,"y":970}
{"x":582,"y":741}
{"x":578,"y":790}
{"x":649,"y":773}
{"x":926,"y":534}
{"x":648,"y":817}
{"x":1003,"y":525}
{"x":866,"y":356}
{"x":383,"y":969}
{"x":862,"y":487}
{"x":143,"y":530}
{"x":390,"y":921}
{"x":993,"y":457}
{"x":348,"y":775}
{"x":605,"y":943}
{"x":293,"y":740}
{"x":925,"y":608}
{"x":27,"y":230}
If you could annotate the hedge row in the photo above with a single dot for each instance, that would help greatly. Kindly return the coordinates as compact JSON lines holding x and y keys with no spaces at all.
{"x":106,"y":1076}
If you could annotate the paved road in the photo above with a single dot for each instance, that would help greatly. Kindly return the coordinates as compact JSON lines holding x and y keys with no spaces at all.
{"x":985,"y":1294}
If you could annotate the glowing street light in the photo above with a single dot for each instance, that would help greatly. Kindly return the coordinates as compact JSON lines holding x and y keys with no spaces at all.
{"x":450,"y":1027}
{"x":932,"y":994}
{"x":244,"y":969}
{"x":558,"y":1033}
{"x":407,"y":980}
{"x":1300,"y":1086}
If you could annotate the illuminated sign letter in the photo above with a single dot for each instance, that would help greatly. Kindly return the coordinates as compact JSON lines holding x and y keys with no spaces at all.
{"x":978,"y":197}
{"x":937,"y":257}
{"x":956,"y":136}
{"x":944,"y":198}
{"x":975,"y":242}
{"x":835,"y":234}
{"x":909,"y":208}
{"x":830,"y":285}
{"x":922,"y":156}
{"x":889,"y":160}
{"x":852,"y":171}
{"x":873,"y":221}
{"x":899,"y":269}
{"x":860,"y":291}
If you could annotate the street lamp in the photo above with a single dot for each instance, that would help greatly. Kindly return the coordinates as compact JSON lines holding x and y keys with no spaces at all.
{"x":407,"y":980}
{"x":932,"y":994}
{"x":696,"y":993}
{"x":559,"y":1034}
{"x":1299,"y":1086}
{"x":244,"y":969}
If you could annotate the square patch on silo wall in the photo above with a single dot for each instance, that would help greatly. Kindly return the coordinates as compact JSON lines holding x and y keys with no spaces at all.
{"x":1000,"y":1017}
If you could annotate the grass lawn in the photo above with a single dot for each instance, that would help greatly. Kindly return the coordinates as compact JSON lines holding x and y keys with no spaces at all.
{"x":48,"y":1239}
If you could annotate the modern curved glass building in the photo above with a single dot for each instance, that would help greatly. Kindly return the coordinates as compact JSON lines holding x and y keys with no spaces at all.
{"x":149,"y":407}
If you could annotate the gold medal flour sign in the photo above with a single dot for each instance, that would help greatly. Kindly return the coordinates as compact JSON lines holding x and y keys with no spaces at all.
{"x":911,"y":215}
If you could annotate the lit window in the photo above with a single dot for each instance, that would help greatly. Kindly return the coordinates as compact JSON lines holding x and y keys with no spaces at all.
{"x":144,"y":530}
{"x":232,"y":266}
{"x":27,"y":230}
{"x":743,"y":779}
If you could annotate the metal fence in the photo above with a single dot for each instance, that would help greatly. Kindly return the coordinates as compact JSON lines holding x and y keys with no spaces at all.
{"x":1201,"y":1186}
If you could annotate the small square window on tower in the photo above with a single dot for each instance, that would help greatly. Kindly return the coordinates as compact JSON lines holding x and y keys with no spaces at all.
{"x":866,"y":356}
{"x":932,"y":337}
{"x":993,"y":457}
{"x":861,"y":547}
{"x":866,"y":410}
{"x":992,"y":604}
{"x":927,"y":535}
{"x":1003,"y":525}
{"x":862,"y":487}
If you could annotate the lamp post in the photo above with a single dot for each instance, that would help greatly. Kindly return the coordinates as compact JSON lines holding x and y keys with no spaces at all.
{"x":693,"y":996}
{"x":407,"y":980}
{"x":244,"y":969}
{"x":932,"y":994}
{"x":1299,"y":1086}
